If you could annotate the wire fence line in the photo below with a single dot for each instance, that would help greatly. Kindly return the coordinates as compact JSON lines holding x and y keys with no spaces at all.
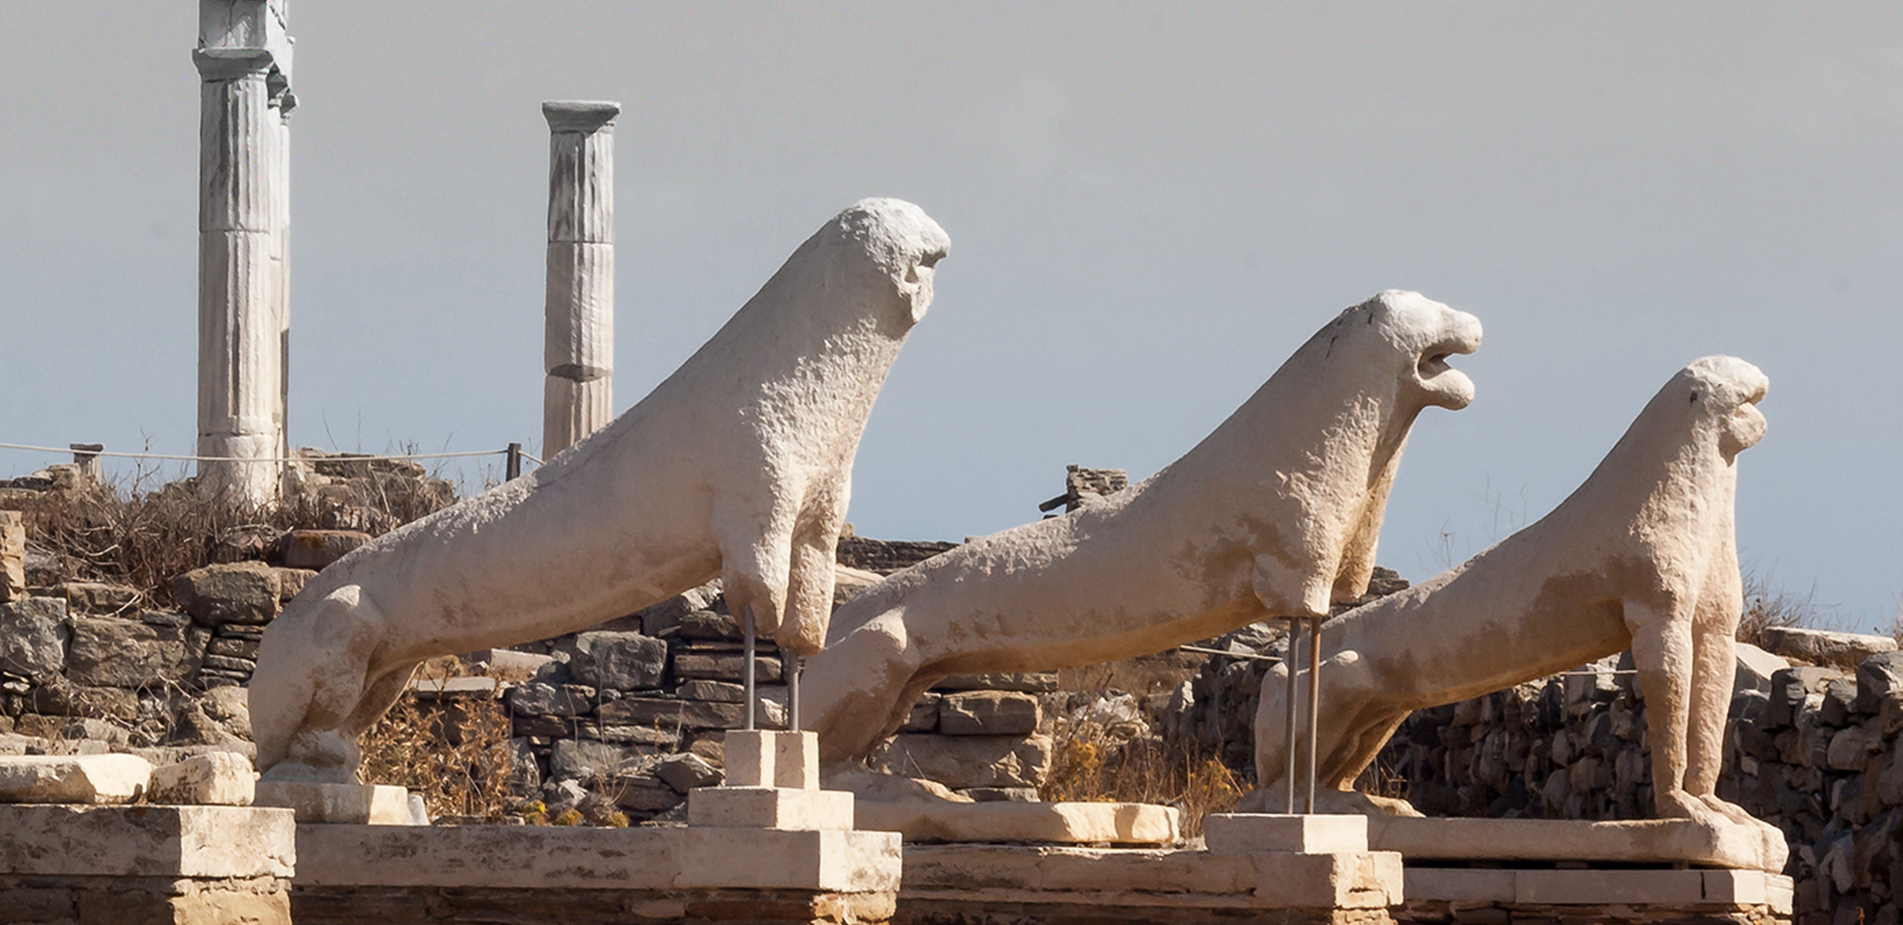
{"x":346,"y":457}
{"x":88,"y":454}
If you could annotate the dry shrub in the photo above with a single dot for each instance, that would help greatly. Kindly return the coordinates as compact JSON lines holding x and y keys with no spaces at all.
{"x":141,"y":537}
{"x":1766,"y":607}
{"x":1381,"y":778}
{"x":1094,"y":763}
{"x":1143,"y":675}
{"x":455,"y":753}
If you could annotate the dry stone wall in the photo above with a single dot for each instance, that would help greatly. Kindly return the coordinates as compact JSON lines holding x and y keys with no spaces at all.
{"x":630,"y":716}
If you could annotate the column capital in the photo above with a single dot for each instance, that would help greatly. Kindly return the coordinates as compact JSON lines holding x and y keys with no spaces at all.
{"x":580,"y":115}
{"x":232,"y":63}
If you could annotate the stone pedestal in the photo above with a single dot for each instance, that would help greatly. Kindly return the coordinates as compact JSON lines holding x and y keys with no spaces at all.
{"x":1653,"y":870}
{"x":761,"y":853}
{"x":1124,"y":824}
{"x":1235,"y":833}
{"x":1037,"y":884}
{"x":578,"y":342}
{"x":108,"y":865}
{"x":1643,"y":841}
{"x":243,"y":61}
{"x":777,"y":829}
{"x":1264,"y":869}
{"x":1444,"y":894}
{"x":350,"y":874}
{"x":343,"y":804}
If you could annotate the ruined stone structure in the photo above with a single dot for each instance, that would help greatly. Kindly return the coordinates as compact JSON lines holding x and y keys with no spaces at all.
{"x":578,"y":340}
{"x":244,"y":62}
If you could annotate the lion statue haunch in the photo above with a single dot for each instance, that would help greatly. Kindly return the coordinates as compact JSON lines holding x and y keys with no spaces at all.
{"x":1642,"y":555}
{"x":737,"y":466}
{"x":1276,"y":512}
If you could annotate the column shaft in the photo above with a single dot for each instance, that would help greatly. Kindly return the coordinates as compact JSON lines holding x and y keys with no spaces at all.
{"x":578,"y":342}
{"x":240,"y":277}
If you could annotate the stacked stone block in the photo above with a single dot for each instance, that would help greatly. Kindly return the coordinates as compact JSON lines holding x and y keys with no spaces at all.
{"x":985,"y":736}
{"x":634,"y":714}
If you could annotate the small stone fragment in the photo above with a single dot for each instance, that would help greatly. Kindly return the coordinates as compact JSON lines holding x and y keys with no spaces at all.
{"x":684,"y":772}
{"x":315,"y":549}
{"x":215,"y":779}
{"x":33,"y":636}
{"x":988,"y":713}
{"x":237,"y":592}
{"x":618,"y":661}
{"x":73,"y":778}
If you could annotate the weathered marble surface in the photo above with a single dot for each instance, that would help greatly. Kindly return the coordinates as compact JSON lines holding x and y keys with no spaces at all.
{"x":214,"y":779}
{"x":578,"y":340}
{"x":146,"y":841}
{"x":73,"y":778}
{"x":1274,"y":513}
{"x":343,"y":804}
{"x":1129,"y":884}
{"x":1642,"y":555}
{"x":737,"y":466}
{"x":1123,"y":824}
{"x":244,"y":62}
{"x":1641,"y":841}
{"x":1643,"y":895}
{"x":645,"y":858}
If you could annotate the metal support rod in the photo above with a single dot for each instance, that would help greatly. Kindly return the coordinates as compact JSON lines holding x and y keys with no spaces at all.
{"x":1288,"y":775}
{"x":513,"y":468}
{"x":1314,"y":702}
{"x":794,"y":665}
{"x":746,"y":670}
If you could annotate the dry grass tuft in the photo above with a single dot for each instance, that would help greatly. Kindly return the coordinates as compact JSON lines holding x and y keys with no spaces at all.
{"x":1766,"y":607}
{"x":142,"y":537}
{"x":1094,"y":763}
{"x":455,"y":753}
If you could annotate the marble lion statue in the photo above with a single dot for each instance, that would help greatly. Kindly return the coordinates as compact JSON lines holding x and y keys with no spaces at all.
{"x":737,"y":466}
{"x":1275,"y":513}
{"x":1641,"y":556}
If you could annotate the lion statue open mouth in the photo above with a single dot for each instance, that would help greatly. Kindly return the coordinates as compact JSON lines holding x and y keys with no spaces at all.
{"x":1275,"y":513}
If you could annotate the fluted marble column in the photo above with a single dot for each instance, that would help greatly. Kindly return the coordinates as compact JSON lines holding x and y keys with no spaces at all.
{"x":243,"y":62}
{"x":578,"y":344}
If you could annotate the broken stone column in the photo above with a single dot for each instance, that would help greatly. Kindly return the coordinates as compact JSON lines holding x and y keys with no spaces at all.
{"x":578,"y":347}
{"x":243,"y":60}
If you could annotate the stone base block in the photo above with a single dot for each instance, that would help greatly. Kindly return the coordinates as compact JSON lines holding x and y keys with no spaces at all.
{"x":1646,"y":895}
{"x":769,"y":808}
{"x":146,"y":900}
{"x":1030,"y":884}
{"x":355,"y":906}
{"x":1667,"y":841}
{"x":346,"y":804}
{"x":73,"y":778}
{"x":855,"y":862}
{"x":645,"y":858}
{"x":1230,"y":833}
{"x":1057,"y":823}
{"x":358,"y":873}
{"x":206,"y":842}
{"x":217,"y":779}
{"x":760,"y":758}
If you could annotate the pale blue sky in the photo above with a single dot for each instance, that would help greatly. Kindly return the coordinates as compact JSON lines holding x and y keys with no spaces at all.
{"x":1150,"y":207}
